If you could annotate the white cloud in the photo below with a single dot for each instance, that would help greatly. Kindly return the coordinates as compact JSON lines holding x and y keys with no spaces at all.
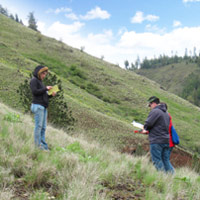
{"x":63,"y":9}
{"x":150,"y":44}
{"x":122,"y":30}
{"x":69,"y":14}
{"x":72,"y":16}
{"x":60,"y":29}
{"x":128,"y":45}
{"x":152,"y":18}
{"x":139,"y":18}
{"x":103,"y":38}
{"x":96,"y":13}
{"x":59,"y":10}
{"x":154,"y":29}
{"x":176,"y":23}
{"x":185,"y":1}
{"x":41,"y":26}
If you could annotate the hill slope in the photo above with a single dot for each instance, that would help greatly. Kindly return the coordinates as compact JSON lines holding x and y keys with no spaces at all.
{"x":77,"y":169}
{"x":103,"y":97}
{"x":172,"y":77}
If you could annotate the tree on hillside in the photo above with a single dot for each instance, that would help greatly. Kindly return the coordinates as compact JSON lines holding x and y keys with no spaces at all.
{"x":12,"y":17}
{"x":186,"y":54}
{"x":32,"y":21}
{"x":16,"y":18}
{"x":82,"y":48}
{"x":21,"y":22}
{"x":3,"y":11}
{"x":126,"y":63}
{"x":58,"y":111}
{"x":102,"y":57}
{"x":133,"y":66}
{"x":137,"y":63}
{"x":194,"y":52}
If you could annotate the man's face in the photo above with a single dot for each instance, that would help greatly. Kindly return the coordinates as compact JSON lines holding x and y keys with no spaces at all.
{"x":152,"y":105}
{"x":43,"y":74}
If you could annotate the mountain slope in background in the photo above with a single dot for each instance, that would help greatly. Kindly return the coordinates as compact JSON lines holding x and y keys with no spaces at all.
{"x":180,"y":75}
{"x":103,"y":97}
{"x":172,"y":77}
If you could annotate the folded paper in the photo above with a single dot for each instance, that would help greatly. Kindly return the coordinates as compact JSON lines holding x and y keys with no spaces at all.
{"x":53,"y":89}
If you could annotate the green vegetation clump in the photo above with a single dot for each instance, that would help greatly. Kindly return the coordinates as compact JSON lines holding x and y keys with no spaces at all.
{"x":54,"y":64}
{"x":12,"y":117}
{"x":191,"y":90}
{"x":58,"y":111}
{"x":78,"y":78}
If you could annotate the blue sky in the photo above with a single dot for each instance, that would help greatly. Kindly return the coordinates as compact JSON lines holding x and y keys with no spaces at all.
{"x":119,"y":30}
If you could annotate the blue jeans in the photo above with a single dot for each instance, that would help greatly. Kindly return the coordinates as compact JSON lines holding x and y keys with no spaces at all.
{"x":160,"y":155}
{"x":40,"y":115}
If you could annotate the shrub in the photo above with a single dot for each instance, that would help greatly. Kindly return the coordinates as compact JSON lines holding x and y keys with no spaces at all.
{"x":12,"y":117}
{"x":94,"y":90}
{"x":58,"y":111}
{"x":74,"y":71}
{"x":39,"y":37}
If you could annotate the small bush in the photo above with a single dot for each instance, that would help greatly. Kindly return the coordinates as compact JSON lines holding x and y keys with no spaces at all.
{"x":58,"y":112}
{"x":83,"y":156}
{"x":12,"y":117}
{"x":39,"y":37}
{"x":74,"y":71}
{"x":94,"y":90}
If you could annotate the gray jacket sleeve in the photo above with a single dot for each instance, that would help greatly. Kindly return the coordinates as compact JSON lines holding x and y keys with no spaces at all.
{"x":151,"y":119}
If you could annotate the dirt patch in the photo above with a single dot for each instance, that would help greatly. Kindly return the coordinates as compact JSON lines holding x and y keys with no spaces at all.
{"x":20,"y":191}
{"x":179,"y":157}
{"x":125,"y":189}
{"x":23,"y":191}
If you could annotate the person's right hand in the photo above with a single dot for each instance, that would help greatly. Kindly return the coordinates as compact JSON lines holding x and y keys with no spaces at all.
{"x":54,"y":94}
{"x":145,"y":132}
{"x":49,"y":87}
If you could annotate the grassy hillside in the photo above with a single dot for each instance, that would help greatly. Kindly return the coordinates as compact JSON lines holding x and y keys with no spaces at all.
{"x":104,"y":98}
{"x":79,"y":169}
{"x":171,"y":77}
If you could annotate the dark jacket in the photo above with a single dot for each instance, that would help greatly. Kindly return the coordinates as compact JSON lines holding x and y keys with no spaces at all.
{"x":39,"y":90}
{"x":157,"y":124}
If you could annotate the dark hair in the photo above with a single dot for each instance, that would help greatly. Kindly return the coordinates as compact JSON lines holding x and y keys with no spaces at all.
{"x":154,"y":99}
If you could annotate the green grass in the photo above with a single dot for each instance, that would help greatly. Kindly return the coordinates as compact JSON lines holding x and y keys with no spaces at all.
{"x":171,"y":77}
{"x":104,"y":98}
{"x":79,"y":169}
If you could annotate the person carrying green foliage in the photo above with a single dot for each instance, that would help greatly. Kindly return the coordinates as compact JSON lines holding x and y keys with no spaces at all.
{"x":157,"y":126}
{"x":39,"y":105}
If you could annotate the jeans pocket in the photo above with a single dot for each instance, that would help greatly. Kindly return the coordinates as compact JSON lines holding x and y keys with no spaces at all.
{"x":36,"y":107}
{"x":33,"y":108}
{"x":40,"y":107}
